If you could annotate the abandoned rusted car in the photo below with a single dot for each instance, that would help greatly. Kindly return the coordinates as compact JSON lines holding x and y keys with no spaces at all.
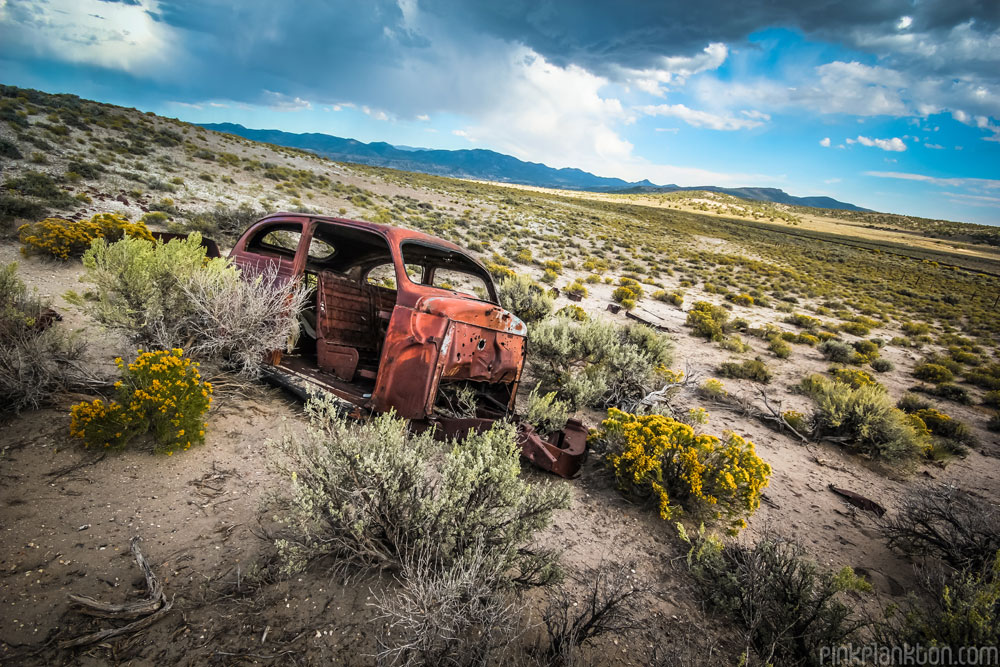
{"x":400,"y":320}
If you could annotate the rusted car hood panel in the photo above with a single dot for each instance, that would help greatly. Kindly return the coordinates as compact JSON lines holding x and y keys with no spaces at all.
{"x":470,"y":311}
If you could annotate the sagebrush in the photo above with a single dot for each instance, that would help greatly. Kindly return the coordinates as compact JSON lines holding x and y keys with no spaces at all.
{"x":597,"y":363}
{"x":167,"y":295}
{"x":38,"y":358}
{"x":373,"y":494}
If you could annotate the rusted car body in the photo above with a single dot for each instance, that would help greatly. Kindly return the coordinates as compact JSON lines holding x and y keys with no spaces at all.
{"x":400,"y":320}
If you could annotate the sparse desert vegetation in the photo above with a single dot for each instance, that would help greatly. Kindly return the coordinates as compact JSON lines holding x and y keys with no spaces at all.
{"x":748,"y":364}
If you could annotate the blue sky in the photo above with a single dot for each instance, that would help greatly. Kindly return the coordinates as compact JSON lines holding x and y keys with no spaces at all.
{"x":893,"y":105}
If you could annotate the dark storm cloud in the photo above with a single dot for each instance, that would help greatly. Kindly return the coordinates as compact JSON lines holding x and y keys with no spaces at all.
{"x":597,"y":33}
{"x":365,"y":51}
{"x":419,"y":56}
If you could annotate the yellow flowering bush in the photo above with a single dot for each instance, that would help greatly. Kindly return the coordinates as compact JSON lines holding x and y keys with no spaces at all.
{"x":160,"y":391}
{"x":63,"y":239}
{"x":854,"y":377}
{"x":660,"y":458}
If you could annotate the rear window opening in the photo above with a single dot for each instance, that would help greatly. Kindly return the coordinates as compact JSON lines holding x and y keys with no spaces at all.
{"x":447,"y":269}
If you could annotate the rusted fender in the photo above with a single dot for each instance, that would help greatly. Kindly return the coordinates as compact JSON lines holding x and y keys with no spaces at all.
{"x":561,"y":453}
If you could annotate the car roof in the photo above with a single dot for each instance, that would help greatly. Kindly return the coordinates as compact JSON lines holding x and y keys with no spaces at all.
{"x":393,"y":234}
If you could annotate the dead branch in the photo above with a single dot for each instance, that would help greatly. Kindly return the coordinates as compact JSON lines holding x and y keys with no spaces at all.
{"x":62,"y":472}
{"x":777,"y":416}
{"x":153,"y":607}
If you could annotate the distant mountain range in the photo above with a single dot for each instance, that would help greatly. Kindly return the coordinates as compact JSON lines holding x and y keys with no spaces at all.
{"x":486,"y":165}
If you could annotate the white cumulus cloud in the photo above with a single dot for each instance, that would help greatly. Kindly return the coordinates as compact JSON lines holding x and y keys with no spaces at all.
{"x":825,"y":142}
{"x":707,"y":119}
{"x":895,"y":144}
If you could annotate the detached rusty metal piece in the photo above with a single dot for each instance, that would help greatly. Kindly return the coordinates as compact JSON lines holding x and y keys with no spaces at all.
{"x":858,"y":500}
{"x":562,"y":452}
{"x":399,"y":320}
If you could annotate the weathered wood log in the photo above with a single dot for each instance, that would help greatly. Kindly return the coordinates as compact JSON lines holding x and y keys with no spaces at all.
{"x":148,"y":611}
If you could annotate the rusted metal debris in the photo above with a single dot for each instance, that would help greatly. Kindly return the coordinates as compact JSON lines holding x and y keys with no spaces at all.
{"x":858,"y":500}
{"x":642,"y":320}
{"x":395,"y":317}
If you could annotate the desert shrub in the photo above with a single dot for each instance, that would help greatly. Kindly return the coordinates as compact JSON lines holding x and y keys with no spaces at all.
{"x":943,"y":425}
{"x":712,"y":389}
{"x":853,"y":377}
{"x":546,"y":412}
{"x":456,"y":614}
{"x":779,"y":348}
{"x":597,"y":363}
{"x":63,"y":239}
{"x":740,"y":299}
{"x":867,"y":350}
{"x":166,"y":295}
{"x":933,"y":373}
{"x":222,"y":222}
{"x":911,"y":403}
{"x":805,"y":339}
{"x":611,"y":605}
{"x":993,"y":423}
{"x":85,"y":169}
{"x":657,"y":458}
{"x":839,"y":352}
{"x":160,"y":391}
{"x":525,"y":298}
{"x":749,"y":369}
{"x":375,"y":494}
{"x":40,"y":186}
{"x":627,"y":293}
{"x":14,"y":207}
{"x":948,"y":391}
{"x":882,"y":365}
{"x":964,"y":610}
{"x":804,"y":321}
{"x":856,"y":328}
{"x":573,"y":312}
{"x":676,"y":297}
{"x":788,"y":606}
{"x":576,"y":288}
{"x":735,"y":344}
{"x":155,"y":218}
{"x":864,"y":417}
{"x":708,"y":320}
{"x":992,"y":399}
{"x":947,"y":523}
{"x":549,"y":276}
{"x":986,"y":377}
{"x":8,"y":149}
{"x":916,"y":328}
{"x":695,"y":416}
{"x":37,"y":357}
{"x":796,"y":420}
